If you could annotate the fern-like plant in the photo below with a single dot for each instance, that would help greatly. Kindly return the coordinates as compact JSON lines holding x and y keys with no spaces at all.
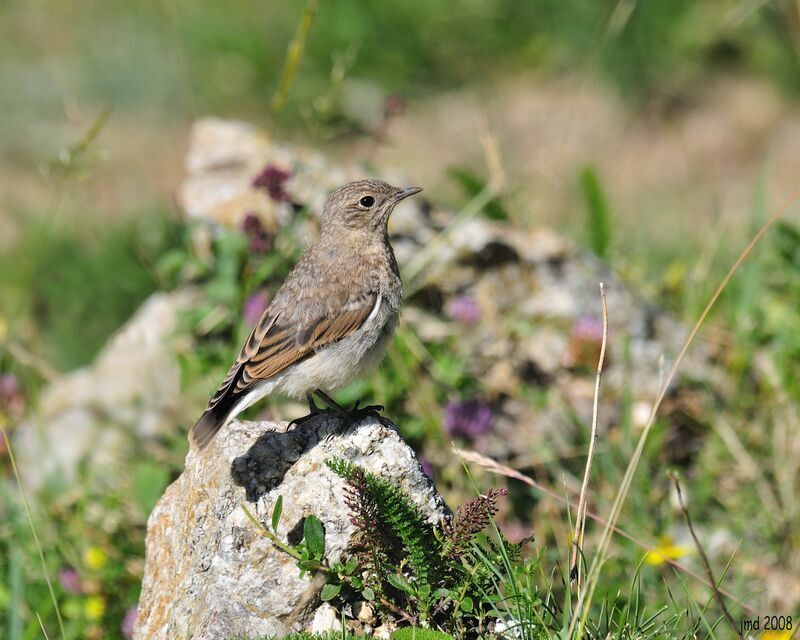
{"x":429,"y":572}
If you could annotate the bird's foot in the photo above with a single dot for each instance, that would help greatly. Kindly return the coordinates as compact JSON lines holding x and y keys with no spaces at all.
{"x":313,"y":412}
{"x":350,"y":417}
{"x":370,"y":411}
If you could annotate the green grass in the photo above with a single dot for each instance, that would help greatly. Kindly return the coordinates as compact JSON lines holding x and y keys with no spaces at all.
{"x":58,"y":277}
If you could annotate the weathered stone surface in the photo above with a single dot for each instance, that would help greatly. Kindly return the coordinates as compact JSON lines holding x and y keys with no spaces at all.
{"x":132,"y":389}
{"x":210,"y":574}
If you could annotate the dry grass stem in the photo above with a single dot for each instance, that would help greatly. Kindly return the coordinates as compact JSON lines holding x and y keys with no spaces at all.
{"x":26,"y":504}
{"x":580,"y":518}
{"x":41,"y":626}
{"x":704,"y":559}
{"x":29,"y":359}
{"x":294,"y":55}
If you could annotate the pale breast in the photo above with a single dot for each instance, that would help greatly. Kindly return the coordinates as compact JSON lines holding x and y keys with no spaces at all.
{"x":346,"y":360}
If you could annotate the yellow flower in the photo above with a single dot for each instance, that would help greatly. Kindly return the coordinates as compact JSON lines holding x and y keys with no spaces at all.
{"x":95,"y":558}
{"x":776,"y":635}
{"x":94,"y":608}
{"x":667,"y":550}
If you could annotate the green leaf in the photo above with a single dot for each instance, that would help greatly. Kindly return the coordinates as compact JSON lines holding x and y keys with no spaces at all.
{"x":599,"y":213}
{"x":472,"y":185}
{"x":330,"y":591}
{"x":276,"y":513}
{"x":467,"y":604}
{"x":400,"y":582}
{"x":149,"y":482}
{"x":414,"y":633}
{"x":308,"y":565}
{"x":369,"y":594}
{"x":314,"y":535}
{"x":351,"y":565}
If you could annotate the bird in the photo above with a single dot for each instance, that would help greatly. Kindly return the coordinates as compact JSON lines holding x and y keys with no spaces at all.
{"x":331,"y":320}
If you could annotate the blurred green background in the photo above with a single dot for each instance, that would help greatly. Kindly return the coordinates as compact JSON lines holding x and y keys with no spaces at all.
{"x":680,"y":119}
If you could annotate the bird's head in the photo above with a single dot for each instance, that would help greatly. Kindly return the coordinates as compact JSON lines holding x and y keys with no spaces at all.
{"x":363,"y":205}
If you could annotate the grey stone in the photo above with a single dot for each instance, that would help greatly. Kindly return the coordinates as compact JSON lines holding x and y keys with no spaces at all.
{"x":133,"y":388}
{"x":209,"y":571}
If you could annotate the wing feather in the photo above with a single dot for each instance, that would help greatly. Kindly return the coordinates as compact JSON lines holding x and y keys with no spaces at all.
{"x":276,"y":343}
{"x":291,"y":344}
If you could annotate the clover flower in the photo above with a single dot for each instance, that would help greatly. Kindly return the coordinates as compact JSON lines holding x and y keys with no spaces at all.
{"x":254,"y":306}
{"x":94,"y":608}
{"x":467,"y":419}
{"x":12,"y":396}
{"x":259,"y":239}
{"x":273,"y":180}
{"x":463,"y":309}
{"x":666,"y":550}
{"x":128,"y":622}
{"x":586,"y":338}
{"x":70,"y":580}
{"x":95,"y":558}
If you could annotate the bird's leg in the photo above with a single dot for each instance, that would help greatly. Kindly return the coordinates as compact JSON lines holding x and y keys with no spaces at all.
{"x":313,"y":411}
{"x":345,"y":418}
{"x":312,"y":406}
{"x":333,"y":405}
{"x":352,"y":416}
{"x":371,"y":410}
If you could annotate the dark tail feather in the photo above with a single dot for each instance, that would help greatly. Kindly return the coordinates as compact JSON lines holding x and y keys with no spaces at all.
{"x":206,"y":428}
{"x":217,"y":413}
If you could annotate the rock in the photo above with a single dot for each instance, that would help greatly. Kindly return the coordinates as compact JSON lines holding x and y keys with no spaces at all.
{"x":364,"y":611}
{"x":384,"y":632}
{"x":325,"y":619}
{"x":210,"y":574}
{"x":131,"y":389}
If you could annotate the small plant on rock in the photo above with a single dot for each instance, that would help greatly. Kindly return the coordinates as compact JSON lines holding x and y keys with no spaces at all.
{"x":410,"y":572}
{"x":437,"y":576}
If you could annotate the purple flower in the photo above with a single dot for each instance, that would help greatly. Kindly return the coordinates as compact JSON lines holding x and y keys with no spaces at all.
{"x":260,"y":240}
{"x":70,"y":580}
{"x":254,"y":306}
{"x":467,"y":419}
{"x":588,"y":329}
{"x":463,"y":309}
{"x":585,"y":341}
{"x":273,"y":180}
{"x":128,"y":622}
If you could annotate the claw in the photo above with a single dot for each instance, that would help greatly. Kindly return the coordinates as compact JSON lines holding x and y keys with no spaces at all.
{"x":352,"y":416}
{"x":313,"y":411}
{"x":369,"y":409}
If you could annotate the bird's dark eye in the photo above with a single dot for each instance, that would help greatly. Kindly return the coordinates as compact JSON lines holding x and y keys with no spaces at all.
{"x":367,"y":201}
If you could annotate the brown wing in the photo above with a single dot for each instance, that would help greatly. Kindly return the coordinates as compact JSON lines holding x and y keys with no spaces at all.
{"x":274,"y":345}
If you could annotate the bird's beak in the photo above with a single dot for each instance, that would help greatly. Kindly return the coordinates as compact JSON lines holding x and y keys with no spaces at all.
{"x":405,"y":192}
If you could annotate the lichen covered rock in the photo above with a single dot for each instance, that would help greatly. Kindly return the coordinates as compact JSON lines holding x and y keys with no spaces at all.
{"x":211,"y":574}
